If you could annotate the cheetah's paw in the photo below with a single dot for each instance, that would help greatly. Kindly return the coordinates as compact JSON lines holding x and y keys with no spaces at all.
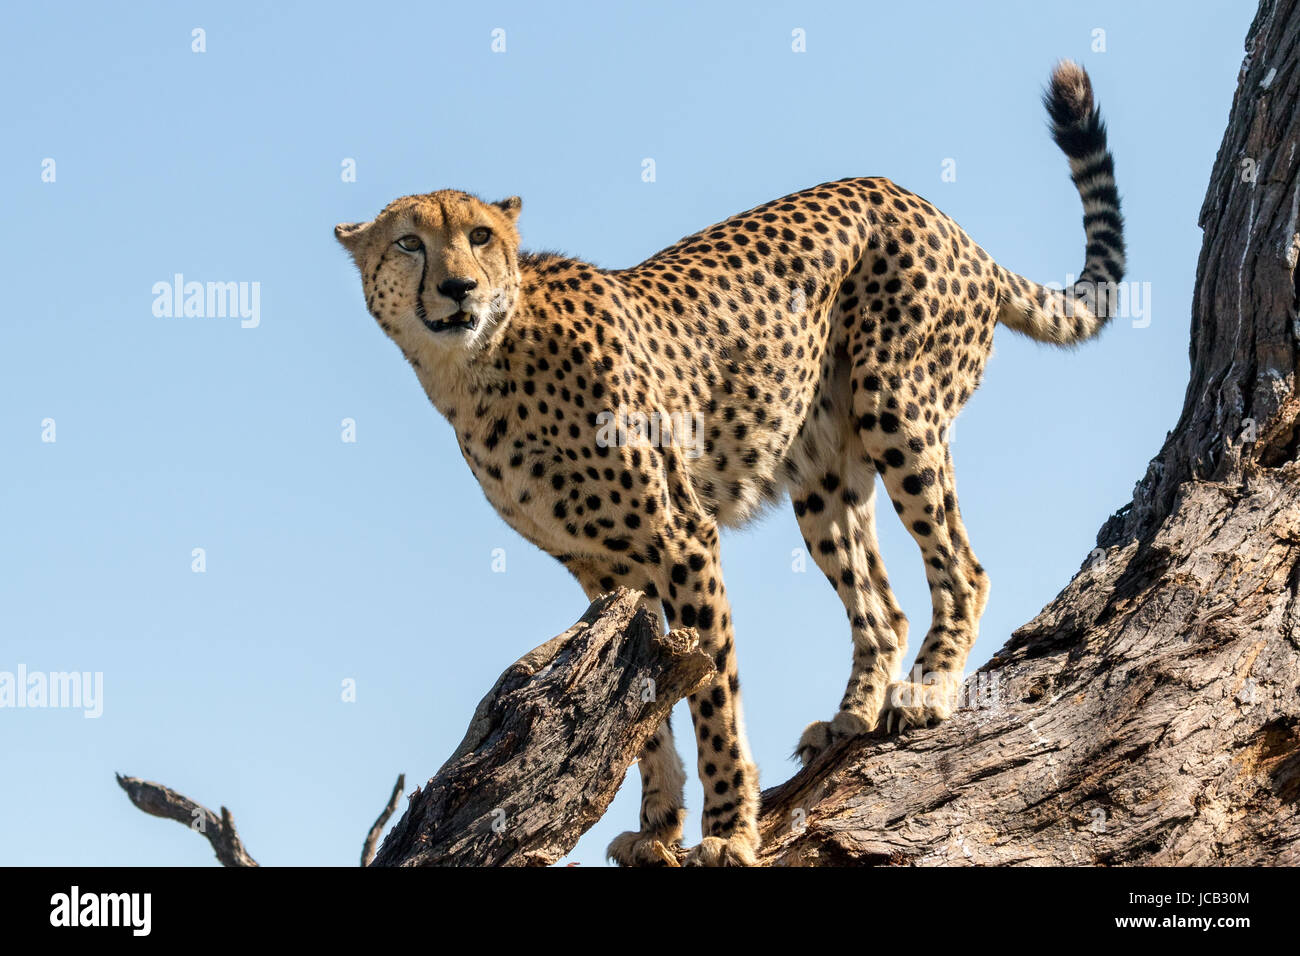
{"x":909,"y":704}
{"x":821,"y":735}
{"x":715,"y":851}
{"x":636,"y":848}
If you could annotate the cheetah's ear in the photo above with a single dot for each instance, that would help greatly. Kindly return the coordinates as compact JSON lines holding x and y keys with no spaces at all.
{"x":511,"y":207}
{"x":350,"y":234}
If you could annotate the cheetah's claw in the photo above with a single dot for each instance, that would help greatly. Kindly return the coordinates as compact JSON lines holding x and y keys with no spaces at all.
{"x":635,"y":848}
{"x":715,"y":851}
{"x":909,"y":705}
{"x":821,"y":735}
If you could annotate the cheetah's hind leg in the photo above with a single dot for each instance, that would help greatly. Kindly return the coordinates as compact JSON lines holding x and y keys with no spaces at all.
{"x":836,"y":512}
{"x":925,"y":487}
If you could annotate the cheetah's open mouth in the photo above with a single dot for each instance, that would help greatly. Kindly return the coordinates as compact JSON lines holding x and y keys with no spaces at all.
{"x":461,"y":320}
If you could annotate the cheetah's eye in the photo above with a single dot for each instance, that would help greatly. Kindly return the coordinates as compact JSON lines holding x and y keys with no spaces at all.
{"x":480,"y":235}
{"x":410,"y":243}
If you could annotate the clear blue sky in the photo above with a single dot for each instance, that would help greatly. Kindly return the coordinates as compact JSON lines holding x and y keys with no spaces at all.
{"x":372,"y":561}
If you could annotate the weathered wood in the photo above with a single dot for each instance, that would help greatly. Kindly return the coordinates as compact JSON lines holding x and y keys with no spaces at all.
{"x":160,"y":801}
{"x":1241,"y":404}
{"x":381,"y":821}
{"x":543,"y":757}
{"x":550,"y":743}
{"x":1149,"y":714}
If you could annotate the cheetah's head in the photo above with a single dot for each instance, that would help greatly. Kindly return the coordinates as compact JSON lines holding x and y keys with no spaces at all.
{"x":440,"y":271}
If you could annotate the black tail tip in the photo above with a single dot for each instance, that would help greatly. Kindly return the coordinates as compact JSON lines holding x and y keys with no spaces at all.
{"x":1076,"y":122}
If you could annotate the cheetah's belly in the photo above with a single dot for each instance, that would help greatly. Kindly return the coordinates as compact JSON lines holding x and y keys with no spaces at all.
{"x":744,"y":443}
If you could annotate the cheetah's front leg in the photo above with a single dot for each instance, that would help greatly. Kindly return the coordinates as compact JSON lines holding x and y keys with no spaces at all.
{"x":692,"y":592}
{"x":658,"y":842}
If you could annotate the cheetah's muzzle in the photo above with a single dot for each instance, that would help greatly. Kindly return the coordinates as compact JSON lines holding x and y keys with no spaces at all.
{"x":461,"y":321}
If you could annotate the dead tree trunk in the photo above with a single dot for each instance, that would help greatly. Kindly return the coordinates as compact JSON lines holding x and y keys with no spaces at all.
{"x":1149,"y":714}
{"x":544,"y":755}
{"x":550,"y":743}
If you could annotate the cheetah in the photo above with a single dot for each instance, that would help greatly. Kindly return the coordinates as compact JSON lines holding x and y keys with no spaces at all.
{"x":820,"y":340}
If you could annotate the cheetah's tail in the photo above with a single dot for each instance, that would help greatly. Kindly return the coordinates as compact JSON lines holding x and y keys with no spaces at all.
{"x":1080,"y":312}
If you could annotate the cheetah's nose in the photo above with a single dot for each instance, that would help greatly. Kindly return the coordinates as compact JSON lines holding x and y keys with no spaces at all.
{"x":457,"y":288}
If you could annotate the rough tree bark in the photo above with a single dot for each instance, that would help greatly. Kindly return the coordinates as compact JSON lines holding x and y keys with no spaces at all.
{"x":159,"y":801}
{"x":1149,"y":714}
{"x":550,"y":743}
{"x":544,"y":755}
